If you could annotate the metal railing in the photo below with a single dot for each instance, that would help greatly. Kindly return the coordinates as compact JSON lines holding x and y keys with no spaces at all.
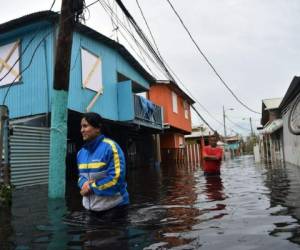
{"x":152,"y":117}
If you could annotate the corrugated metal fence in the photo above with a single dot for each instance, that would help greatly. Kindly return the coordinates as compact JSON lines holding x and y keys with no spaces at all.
{"x":29,"y":155}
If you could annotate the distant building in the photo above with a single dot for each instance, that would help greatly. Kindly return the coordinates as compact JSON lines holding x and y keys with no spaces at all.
{"x":197,"y":133}
{"x":271,"y":133}
{"x":233,"y":145}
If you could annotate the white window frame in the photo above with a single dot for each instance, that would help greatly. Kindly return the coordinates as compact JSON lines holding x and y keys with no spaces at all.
{"x":91,"y":71}
{"x":174,"y":102}
{"x":9,"y":55}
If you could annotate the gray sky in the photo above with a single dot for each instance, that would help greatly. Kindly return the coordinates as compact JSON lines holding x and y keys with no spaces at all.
{"x":253,"y":44}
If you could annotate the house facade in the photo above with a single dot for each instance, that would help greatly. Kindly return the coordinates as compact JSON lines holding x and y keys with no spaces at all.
{"x":104,"y":78}
{"x":176,"y":116}
{"x":290,"y":112}
{"x":271,"y":134}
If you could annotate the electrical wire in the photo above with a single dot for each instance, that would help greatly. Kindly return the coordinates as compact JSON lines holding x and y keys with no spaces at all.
{"x":140,"y":55}
{"x":148,"y":27}
{"x":170,"y":69}
{"x":237,"y":125}
{"x":208,"y":61}
{"x":135,"y":40}
{"x":52,"y":4}
{"x":157,"y":53}
{"x":33,"y":54}
{"x":144,"y":38}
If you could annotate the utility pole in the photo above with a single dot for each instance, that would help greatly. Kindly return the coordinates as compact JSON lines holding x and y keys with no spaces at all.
{"x":59,"y":108}
{"x":250,"y":120}
{"x":225,"y":134}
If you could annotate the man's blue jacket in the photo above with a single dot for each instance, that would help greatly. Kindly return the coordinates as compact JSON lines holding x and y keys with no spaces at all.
{"x":103,"y":160}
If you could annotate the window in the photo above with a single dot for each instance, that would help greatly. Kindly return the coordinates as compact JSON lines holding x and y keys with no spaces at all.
{"x":9,"y":54}
{"x":91,"y":67}
{"x":186,"y":109}
{"x":174,"y":102}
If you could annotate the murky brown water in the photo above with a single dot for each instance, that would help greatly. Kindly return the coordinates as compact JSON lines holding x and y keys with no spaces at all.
{"x":249,"y":207}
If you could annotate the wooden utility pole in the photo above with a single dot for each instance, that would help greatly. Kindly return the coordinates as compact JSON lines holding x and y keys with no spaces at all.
{"x":59,"y":108}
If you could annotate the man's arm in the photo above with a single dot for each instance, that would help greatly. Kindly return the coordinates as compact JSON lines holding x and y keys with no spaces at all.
{"x":214,"y":157}
{"x":211,"y":157}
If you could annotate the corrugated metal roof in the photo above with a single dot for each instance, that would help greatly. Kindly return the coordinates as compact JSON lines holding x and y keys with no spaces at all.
{"x":291,"y":93}
{"x":272,"y":103}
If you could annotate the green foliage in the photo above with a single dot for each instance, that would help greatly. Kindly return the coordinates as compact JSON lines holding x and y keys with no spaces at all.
{"x":5,"y":194}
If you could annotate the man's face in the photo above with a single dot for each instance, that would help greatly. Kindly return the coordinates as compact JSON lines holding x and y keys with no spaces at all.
{"x":88,"y":132}
{"x":213,"y":141}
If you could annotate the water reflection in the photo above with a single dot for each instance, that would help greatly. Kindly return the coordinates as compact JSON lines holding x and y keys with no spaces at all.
{"x":247,"y":207}
{"x":283,"y":181}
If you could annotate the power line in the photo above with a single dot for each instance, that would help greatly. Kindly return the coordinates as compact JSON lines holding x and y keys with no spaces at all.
{"x":31,"y":40}
{"x":52,"y":4}
{"x":237,"y":125}
{"x":208,"y":61}
{"x":139,"y":46}
{"x":33,"y":54}
{"x":166,"y":66}
{"x":135,"y":40}
{"x":177,"y":78}
{"x":157,"y":55}
{"x":150,"y":32}
{"x":144,"y":38}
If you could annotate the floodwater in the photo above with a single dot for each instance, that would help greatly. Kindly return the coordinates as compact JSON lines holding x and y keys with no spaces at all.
{"x":249,"y":207}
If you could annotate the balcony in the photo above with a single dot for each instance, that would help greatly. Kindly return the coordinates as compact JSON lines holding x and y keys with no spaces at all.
{"x":147,"y":113}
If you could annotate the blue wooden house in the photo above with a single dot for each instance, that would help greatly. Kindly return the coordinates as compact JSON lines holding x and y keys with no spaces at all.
{"x":104,"y":78}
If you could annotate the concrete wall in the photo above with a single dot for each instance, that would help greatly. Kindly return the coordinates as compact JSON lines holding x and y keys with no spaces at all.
{"x":291,"y":143}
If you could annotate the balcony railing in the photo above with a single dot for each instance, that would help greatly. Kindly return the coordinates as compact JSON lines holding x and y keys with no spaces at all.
{"x":147,"y":113}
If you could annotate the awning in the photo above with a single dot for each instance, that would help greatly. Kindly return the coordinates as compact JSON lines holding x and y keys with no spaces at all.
{"x":272,"y":127}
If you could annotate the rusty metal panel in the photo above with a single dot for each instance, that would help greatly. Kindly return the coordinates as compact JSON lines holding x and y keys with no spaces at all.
{"x":29,"y":155}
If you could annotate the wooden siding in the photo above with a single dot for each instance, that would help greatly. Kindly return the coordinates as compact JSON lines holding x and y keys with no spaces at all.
{"x":112,"y":62}
{"x":31,"y":94}
{"x":162,"y":96}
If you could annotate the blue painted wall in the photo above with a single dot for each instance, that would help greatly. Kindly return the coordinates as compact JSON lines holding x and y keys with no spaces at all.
{"x":32,"y":95}
{"x":112,"y":62}
{"x":125,"y":101}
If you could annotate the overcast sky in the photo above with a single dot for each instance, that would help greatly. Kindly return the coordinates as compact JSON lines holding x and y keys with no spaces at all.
{"x":253,"y":44}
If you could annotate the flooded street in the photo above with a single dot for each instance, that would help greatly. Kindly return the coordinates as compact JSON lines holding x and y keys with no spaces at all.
{"x":249,"y":207}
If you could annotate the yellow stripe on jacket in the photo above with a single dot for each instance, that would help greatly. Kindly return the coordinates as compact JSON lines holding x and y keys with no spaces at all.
{"x":92,"y":165}
{"x":116,"y":166}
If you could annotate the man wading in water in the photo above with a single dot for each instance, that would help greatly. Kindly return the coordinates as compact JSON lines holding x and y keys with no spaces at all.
{"x":212,"y":156}
{"x":101,"y":165}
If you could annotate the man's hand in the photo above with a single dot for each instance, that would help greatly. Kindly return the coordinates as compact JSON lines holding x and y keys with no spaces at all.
{"x":85,"y":190}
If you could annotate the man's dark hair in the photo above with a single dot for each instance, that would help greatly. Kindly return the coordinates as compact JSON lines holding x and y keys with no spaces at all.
{"x":93,"y":119}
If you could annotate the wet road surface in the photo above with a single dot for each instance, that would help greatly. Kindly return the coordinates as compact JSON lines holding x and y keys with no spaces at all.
{"x":249,"y":207}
